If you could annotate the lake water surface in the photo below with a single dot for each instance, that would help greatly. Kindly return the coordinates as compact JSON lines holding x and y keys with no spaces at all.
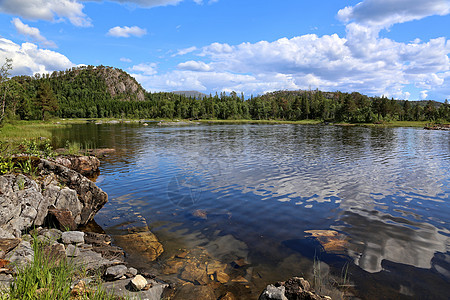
{"x":251,"y":191}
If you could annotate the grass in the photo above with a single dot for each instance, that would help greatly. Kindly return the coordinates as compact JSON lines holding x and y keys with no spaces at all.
{"x":76,"y":148}
{"x":327,"y":284}
{"x":46,"y":279}
{"x":16,"y":133}
{"x":399,"y":124}
{"x":317,"y":275}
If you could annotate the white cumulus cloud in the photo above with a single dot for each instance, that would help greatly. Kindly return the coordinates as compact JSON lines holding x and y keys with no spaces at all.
{"x":72,"y":10}
{"x":32,"y":32}
{"x":29,"y":59}
{"x":50,"y":10}
{"x":194,"y":66}
{"x":384,"y":13}
{"x":423,"y":94}
{"x":126,"y":31}
{"x":145,"y":68}
{"x":330,"y":62}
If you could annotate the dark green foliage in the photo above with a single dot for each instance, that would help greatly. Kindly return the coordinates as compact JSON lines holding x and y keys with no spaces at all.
{"x":46,"y":100}
{"x":4,"y":86}
{"x":98,"y":92}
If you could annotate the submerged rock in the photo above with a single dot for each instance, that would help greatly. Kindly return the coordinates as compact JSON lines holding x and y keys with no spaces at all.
{"x":195,"y":273}
{"x":145,"y":243}
{"x":331,"y":240}
{"x":190,"y":291}
{"x":200,"y":213}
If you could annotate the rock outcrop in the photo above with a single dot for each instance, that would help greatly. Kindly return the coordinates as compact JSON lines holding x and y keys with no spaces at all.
{"x":91,"y":198}
{"x":85,"y":165}
{"x":21,"y":205}
{"x":25,"y":202}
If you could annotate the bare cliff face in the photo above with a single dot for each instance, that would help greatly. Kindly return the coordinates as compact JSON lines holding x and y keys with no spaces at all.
{"x":120,"y":84}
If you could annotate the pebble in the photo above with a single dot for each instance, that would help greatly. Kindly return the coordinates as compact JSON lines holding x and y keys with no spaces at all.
{"x":138,"y":283}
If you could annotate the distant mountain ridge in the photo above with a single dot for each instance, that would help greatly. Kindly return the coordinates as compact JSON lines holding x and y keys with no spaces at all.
{"x":192,"y":94}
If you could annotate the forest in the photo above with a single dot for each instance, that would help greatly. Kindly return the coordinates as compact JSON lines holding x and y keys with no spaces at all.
{"x":98,"y":92}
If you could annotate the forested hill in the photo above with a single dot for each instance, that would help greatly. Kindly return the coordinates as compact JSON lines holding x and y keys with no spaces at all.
{"x":78,"y":91}
{"x":97,"y":92}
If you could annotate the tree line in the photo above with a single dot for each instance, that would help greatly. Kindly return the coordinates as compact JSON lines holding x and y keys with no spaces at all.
{"x":86,"y":92}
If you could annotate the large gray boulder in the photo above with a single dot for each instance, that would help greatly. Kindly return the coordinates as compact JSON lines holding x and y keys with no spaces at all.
{"x":91,"y":197}
{"x":20,"y":204}
{"x":24,"y":203}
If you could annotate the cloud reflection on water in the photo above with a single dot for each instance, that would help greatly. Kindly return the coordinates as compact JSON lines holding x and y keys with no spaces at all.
{"x":361,"y":169}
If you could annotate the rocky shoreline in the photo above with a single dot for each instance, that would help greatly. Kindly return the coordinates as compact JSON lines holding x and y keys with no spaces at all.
{"x":59,"y":200}
{"x":438,"y":127}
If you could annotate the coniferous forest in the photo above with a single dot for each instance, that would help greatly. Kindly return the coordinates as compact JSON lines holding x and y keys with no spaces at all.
{"x":98,"y":92}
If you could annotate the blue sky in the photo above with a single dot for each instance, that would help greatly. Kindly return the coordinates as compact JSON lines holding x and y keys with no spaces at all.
{"x":397,"y":48}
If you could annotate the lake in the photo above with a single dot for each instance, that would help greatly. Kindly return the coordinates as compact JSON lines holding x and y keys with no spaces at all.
{"x":251,"y":192}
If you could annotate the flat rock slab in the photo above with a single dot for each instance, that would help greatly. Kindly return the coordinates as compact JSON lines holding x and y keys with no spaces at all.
{"x":92,"y":261}
{"x":115,"y":272}
{"x":122,"y":288}
{"x":97,"y":239}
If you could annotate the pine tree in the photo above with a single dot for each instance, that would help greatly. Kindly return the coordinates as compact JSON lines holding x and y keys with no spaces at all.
{"x":46,"y":100}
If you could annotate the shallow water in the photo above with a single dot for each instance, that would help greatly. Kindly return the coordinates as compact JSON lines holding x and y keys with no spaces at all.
{"x":251,"y":191}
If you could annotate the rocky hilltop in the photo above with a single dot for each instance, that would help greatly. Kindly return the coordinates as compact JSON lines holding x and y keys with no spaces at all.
{"x":120,"y":84}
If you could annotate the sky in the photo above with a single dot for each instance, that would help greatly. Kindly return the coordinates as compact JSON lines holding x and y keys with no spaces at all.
{"x":395,"y":48}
